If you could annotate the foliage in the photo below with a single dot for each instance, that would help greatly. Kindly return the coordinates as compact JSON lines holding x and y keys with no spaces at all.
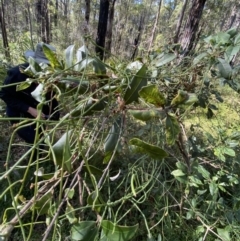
{"x":127,"y":160}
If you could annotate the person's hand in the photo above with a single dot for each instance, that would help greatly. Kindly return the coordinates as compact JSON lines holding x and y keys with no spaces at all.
{"x":33,"y":112}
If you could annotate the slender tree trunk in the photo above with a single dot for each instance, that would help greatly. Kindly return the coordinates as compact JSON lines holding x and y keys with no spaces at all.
{"x":191,"y":26}
{"x":102,"y":28}
{"x":179,"y":23}
{"x":87,"y":11}
{"x":109,"y":28}
{"x":56,"y":14}
{"x":155,"y":26}
{"x":137,"y":39}
{"x":4,"y":31}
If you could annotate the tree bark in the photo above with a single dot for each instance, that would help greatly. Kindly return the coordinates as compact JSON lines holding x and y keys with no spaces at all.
{"x":109,"y":28}
{"x":179,"y":23}
{"x":191,"y":26}
{"x":155,"y":26}
{"x":4,"y":31}
{"x":87,"y":11}
{"x":102,"y":28}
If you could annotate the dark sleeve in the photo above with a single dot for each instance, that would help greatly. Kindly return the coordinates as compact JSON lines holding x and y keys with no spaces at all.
{"x":9,"y":94}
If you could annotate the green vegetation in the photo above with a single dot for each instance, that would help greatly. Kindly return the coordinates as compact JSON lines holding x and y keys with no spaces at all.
{"x":147,"y":150}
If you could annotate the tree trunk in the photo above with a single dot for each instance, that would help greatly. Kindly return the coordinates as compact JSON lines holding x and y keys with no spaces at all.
{"x":56,"y":14}
{"x":87,"y":11}
{"x":109,"y":28}
{"x":4,"y":32}
{"x":191,"y":26}
{"x":179,"y":23}
{"x":102,"y":28}
{"x":137,"y":39}
{"x":155,"y":26}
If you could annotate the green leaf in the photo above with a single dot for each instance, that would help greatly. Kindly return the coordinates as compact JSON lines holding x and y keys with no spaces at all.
{"x":34,"y":66}
{"x":138,"y":81}
{"x":69,"y":192}
{"x":135,"y":66}
{"x":115,"y":232}
{"x":146,"y":115}
{"x":84,"y":231}
{"x":222,"y":38}
{"x":230,"y":52}
{"x":43,"y":204}
{"x":99,"y":67}
{"x":69,"y":56}
{"x":113,"y":136}
{"x":203,"y":171}
{"x":180,"y":98}
{"x":163,"y":59}
{"x":70,"y":214}
{"x":232,"y":32}
{"x":152,"y":95}
{"x":62,"y":152}
{"x":90,"y":107}
{"x":199,"y":58}
{"x":23,"y":85}
{"x":224,"y":68}
{"x":229,"y":151}
{"x":51,"y":56}
{"x":213,"y":188}
{"x":224,"y":234}
{"x":237,"y":40}
{"x":37,"y":94}
{"x":172,"y":129}
{"x":178,"y":173}
{"x":96,"y":200}
{"x":154,"y":152}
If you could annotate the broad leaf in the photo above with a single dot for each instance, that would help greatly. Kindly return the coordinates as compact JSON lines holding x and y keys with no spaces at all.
{"x":23,"y":85}
{"x":152,"y":95}
{"x":163,"y":59}
{"x":113,"y":136}
{"x":84,"y":231}
{"x":154,"y":152}
{"x":99,"y":67}
{"x":84,"y":64}
{"x":172,"y":129}
{"x":230,"y":52}
{"x":114,"y":232}
{"x":34,"y":66}
{"x":51,"y":56}
{"x":94,"y":201}
{"x":138,"y":81}
{"x":62,"y":152}
{"x":146,"y":115}
{"x":69,"y":56}
{"x":224,"y":68}
{"x":135,"y":66}
{"x":224,"y":234}
{"x":70,"y":214}
{"x":42,"y":205}
{"x":178,"y":173}
{"x":199,"y":58}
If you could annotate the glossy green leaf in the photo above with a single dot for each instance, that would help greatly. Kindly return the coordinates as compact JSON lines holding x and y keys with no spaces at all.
{"x":69,"y":56}
{"x":138,"y":81}
{"x":84,"y":231}
{"x":203,"y":171}
{"x":114,"y":232}
{"x":172,"y":129}
{"x":52,"y":57}
{"x":229,"y":152}
{"x":113,"y":136}
{"x":62,"y":152}
{"x":34,"y":66}
{"x":199,"y":58}
{"x":166,"y":58}
{"x":224,"y":68}
{"x":146,"y":115}
{"x":213,"y":188}
{"x":154,"y":152}
{"x":152,"y":95}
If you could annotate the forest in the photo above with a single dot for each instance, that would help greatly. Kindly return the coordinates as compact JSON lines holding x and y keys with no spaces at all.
{"x":147,"y":146}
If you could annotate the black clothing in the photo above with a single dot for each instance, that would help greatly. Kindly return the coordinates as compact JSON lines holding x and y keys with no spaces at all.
{"x":18,"y":102}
